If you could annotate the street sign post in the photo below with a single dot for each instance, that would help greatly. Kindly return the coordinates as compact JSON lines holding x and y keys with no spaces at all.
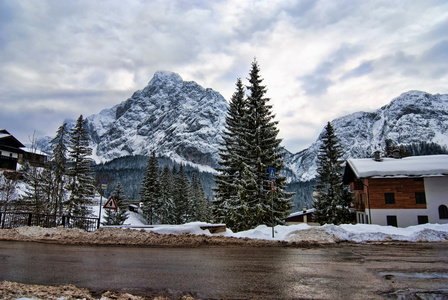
{"x":103,"y":183}
{"x":111,"y":204}
{"x":272,"y":178}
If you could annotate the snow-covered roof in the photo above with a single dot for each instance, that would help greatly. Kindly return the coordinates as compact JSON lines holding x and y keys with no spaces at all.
{"x":414,"y":166}
{"x":301,"y":213}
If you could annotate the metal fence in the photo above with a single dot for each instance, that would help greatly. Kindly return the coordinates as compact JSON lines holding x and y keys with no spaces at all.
{"x":19,"y":219}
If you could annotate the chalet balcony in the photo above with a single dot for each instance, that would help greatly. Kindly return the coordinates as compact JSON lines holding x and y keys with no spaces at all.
{"x":359,"y":206}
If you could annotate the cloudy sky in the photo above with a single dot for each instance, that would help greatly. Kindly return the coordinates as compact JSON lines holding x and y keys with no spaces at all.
{"x":319,"y":59}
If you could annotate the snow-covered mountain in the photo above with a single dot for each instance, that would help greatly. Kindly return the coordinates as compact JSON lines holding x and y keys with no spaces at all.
{"x":413,"y":117}
{"x":184,"y":121}
{"x":177,"y":119}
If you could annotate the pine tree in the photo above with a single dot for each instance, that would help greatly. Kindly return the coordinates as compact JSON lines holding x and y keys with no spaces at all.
{"x":58,"y":165}
{"x":117,"y":217}
{"x":184,"y":207}
{"x":81,"y":187}
{"x":200,"y":202}
{"x":257,"y":149}
{"x":263,"y":151}
{"x":332,"y":201}
{"x":166,"y":189}
{"x":38,"y":186}
{"x":34,"y":196}
{"x":150,"y":191}
{"x":230,"y":169}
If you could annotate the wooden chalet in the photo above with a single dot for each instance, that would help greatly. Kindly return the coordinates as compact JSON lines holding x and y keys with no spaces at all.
{"x":12,"y":152}
{"x":305,"y":216}
{"x":399,"y":191}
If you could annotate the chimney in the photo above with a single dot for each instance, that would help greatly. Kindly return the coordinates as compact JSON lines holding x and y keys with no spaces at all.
{"x":377,"y":156}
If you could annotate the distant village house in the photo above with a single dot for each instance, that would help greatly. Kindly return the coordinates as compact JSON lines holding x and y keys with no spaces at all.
{"x":399,"y":192}
{"x":13,"y":152}
{"x":304,"y":216}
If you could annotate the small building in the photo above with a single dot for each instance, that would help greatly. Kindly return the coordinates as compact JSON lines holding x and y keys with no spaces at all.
{"x":12,"y":152}
{"x":305,"y":216}
{"x":399,"y":191}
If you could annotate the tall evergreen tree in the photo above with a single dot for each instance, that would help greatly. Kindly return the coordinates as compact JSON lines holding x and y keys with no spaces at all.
{"x":37,"y":195}
{"x":150,"y":191}
{"x":34,"y":195}
{"x":167,"y":191}
{"x":117,"y":217}
{"x":81,"y":187}
{"x":184,"y":207}
{"x":258,"y":149}
{"x":263,"y":151}
{"x":58,"y":165}
{"x":332,"y":201}
{"x":228,"y":178}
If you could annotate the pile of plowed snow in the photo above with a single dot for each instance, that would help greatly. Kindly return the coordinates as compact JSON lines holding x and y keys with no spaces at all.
{"x":194,"y":235}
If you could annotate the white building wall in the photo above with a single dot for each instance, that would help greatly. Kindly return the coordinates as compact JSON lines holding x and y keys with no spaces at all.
{"x":436,"y":190}
{"x":8,"y":154}
{"x":405,"y":217}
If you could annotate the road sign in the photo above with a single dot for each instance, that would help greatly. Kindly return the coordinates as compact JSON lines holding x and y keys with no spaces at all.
{"x":272,"y":186}
{"x":272,"y":174}
{"x":103,"y":180}
{"x":111,"y":204}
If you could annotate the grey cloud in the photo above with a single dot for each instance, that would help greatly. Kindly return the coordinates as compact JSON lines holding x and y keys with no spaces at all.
{"x":436,"y":32}
{"x":319,"y":81}
{"x":435,"y":59}
{"x":437,"y":54}
{"x":23,"y":124}
{"x":363,"y":69}
{"x":315,"y":85}
{"x":429,"y":64}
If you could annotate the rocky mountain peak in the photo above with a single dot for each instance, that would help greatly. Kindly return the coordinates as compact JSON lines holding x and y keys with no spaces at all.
{"x":172,"y":117}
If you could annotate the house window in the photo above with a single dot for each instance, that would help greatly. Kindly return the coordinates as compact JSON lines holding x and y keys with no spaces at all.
{"x":420,"y":198}
{"x":390,"y":198}
{"x":392,"y":221}
{"x":422,"y":219}
{"x":443,"y":212}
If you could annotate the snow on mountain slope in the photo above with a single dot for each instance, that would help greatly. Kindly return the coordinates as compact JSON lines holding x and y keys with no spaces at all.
{"x":183,"y":121}
{"x":412,"y":117}
{"x":175,"y":118}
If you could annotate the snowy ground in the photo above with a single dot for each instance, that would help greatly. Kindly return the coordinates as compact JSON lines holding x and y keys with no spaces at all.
{"x":192,"y":235}
{"x":304,"y":233}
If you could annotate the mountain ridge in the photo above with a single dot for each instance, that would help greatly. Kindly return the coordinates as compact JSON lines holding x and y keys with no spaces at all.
{"x":412,"y":117}
{"x":183,"y":121}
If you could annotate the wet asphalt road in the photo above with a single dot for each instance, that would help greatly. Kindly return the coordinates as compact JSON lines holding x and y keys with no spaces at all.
{"x":347,"y":271}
